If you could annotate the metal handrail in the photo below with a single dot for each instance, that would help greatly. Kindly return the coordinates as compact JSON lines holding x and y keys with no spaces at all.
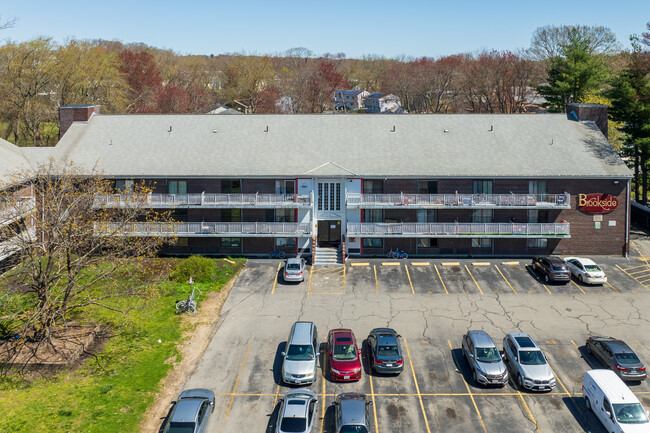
{"x":459,"y":229}
{"x":11,"y":211}
{"x":203,"y":228}
{"x":459,"y":200}
{"x":202,"y":199}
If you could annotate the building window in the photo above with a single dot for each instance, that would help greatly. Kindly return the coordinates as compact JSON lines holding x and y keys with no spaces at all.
{"x":482,"y":216}
{"x":427,"y":187}
{"x":124,"y":186}
{"x":481,"y":243}
{"x":182,"y":242}
{"x":538,"y":216}
{"x":231,"y":186}
{"x":285,"y":215}
{"x":373,"y":186}
{"x":538,"y":187}
{"x":285,"y":242}
{"x":536,"y":243}
{"x":231,"y":242}
{"x":177,"y":187}
{"x":372,"y":243}
{"x":427,"y":215}
{"x":373,"y":216}
{"x":482,"y":187}
{"x":230,"y":215}
{"x":329,"y":196}
{"x":428,"y":243}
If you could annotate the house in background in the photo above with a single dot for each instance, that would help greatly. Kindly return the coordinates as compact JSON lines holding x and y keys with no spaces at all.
{"x":351,"y":100}
{"x":381,"y":103}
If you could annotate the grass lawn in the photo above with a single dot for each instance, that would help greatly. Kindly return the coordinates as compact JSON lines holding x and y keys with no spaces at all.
{"x":109,"y":393}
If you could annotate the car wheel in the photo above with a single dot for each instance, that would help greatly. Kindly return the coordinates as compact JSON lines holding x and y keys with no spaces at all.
{"x":587,"y":403}
{"x":546,"y":278}
{"x":520,"y":381}
{"x":581,"y":279}
{"x":589,"y":349}
{"x":475,"y":376}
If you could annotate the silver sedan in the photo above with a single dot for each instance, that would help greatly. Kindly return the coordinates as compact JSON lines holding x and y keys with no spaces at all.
{"x":297,"y":411}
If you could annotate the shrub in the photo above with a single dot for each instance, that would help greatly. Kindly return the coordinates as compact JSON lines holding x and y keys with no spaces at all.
{"x":201,"y":269}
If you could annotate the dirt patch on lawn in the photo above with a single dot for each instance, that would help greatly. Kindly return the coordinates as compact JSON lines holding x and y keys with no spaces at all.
{"x":199,"y":328}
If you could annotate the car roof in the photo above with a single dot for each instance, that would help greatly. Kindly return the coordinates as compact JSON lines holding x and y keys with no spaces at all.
{"x":186,"y":410}
{"x":523,"y":340}
{"x":295,"y":406}
{"x":612,"y":385}
{"x":614,"y":344}
{"x":301,"y":333}
{"x":342,"y":332}
{"x":555,"y":260}
{"x":383,"y":331}
{"x":386,"y":339}
{"x":353,"y":408}
{"x":583,"y":260}
{"x":480,"y":338}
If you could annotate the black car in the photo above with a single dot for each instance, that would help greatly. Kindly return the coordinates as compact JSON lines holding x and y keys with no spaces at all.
{"x":617,"y":356}
{"x":384,"y":351}
{"x":553,"y":269}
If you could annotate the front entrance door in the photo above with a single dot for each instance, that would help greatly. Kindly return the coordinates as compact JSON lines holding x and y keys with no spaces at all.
{"x":329,"y":232}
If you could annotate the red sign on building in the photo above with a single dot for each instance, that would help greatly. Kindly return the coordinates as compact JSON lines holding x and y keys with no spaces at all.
{"x":597,"y":203}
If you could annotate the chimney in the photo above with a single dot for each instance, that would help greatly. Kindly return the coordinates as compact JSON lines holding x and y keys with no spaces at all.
{"x":75,"y":113}
{"x":596,"y":113}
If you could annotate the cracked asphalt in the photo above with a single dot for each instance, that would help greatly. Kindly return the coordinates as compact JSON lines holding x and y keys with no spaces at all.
{"x":435,"y":392}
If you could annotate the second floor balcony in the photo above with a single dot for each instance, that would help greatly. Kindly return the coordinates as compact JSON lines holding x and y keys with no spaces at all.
{"x":206,"y":229}
{"x":10,"y":212}
{"x":459,"y":230}
{"x":205,"y":200}
{"x":467,"y":201}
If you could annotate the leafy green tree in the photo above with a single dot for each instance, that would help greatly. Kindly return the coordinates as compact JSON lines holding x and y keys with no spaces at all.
{"x":573,"y":74}
{"x":630,"y":96}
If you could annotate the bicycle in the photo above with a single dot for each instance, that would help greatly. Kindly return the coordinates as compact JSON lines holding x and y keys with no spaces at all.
{"x":397,"y":254}
{"x":189,"y":305}
{"x":275,"y":254}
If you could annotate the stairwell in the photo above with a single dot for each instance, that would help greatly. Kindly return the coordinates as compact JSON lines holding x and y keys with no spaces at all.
{"x":327,"y":256}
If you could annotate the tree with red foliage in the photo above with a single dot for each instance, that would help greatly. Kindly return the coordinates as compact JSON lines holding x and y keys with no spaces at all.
{"x":144,"y":80}
{"x":321,"y":84}
{"x":172,"y":99}
{"x":266,"y":101}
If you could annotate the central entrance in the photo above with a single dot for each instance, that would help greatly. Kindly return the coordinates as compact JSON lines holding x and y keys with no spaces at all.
{"x":329,"y":232}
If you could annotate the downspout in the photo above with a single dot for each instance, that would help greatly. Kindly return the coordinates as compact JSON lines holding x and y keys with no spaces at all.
{"x":627,"y":219}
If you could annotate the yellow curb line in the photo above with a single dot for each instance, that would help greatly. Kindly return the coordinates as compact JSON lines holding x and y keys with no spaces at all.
{"x":509,"y":263}
{"x":450,"y":263}
{"x":390,"y":264}
{"x":481,"y":263}
{"x":420,"y":264}
{"x":360,"y":264}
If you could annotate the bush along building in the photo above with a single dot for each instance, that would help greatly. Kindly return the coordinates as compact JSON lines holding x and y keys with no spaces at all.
{"x":431,"y":185}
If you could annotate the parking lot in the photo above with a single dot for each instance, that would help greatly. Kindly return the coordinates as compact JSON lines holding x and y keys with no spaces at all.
{"x":431,"y":303}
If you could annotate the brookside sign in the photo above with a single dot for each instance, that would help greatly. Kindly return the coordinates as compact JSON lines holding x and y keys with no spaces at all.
{"x":597,"y":203}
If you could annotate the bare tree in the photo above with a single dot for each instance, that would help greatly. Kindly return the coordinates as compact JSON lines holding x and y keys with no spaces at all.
{"x":547,"y":41}
{"x":69,"y":254}
{"x":7,"y":24}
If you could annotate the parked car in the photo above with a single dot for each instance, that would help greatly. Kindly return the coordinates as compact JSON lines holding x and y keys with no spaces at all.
{"x":384,"y":351}
{"x":618,"y":357}
{"x":294,"y":269}
{"x":615,"y":406}
{"x":528,"y":362}
{"x":352,"y":413}
{"x":484,"y":359}
{"x":297,"y":412}
{"x":191,"y":412}
{"x":553,"y":269}
{"x":300,"y":357}
{"x":585,"y":270}
{"x":344,"y":359}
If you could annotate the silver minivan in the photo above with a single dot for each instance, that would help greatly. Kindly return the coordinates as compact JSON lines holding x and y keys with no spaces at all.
{"x":484,"y":359}
{"x":300,"y":356}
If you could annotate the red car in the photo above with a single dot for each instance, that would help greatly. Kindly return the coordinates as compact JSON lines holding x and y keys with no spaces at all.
{"x":343,"y":356}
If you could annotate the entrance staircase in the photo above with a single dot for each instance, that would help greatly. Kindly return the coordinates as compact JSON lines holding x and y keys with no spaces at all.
{"x":328,"y":256}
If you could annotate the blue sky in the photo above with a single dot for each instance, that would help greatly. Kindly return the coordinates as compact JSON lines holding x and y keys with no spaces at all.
{"x":389,"y":28}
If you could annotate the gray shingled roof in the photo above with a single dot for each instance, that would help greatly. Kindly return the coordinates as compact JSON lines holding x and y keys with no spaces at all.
{"x":528,"y":145}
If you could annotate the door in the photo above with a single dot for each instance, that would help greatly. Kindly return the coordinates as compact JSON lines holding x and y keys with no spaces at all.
{"x":329,"y":232}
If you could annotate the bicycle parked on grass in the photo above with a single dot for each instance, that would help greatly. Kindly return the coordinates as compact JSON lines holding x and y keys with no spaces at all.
{"x":189,"y":305}
{"x":276,"y":254}
{"x":397,"y":254}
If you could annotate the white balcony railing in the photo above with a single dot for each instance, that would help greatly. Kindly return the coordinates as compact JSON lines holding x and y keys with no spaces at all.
{"x":476,"y":201}
{"x":459,"y":230}
{"x":205,"y":200}
{"x":11,"y":212}
{"x":206,"y":229}
{"x":12,"y":245}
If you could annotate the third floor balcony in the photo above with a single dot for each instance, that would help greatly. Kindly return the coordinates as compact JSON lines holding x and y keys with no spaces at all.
{"x":467,"y":201}
{"x":205,"y":200}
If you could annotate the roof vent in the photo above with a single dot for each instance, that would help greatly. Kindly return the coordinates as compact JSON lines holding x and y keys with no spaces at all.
{"x":491,"y":128}
{"x":170,"y":129}
{"x":445,"y":130}
{"x":267,"y":128}
{"x":214,"y":131}
{"x":393,"y":130}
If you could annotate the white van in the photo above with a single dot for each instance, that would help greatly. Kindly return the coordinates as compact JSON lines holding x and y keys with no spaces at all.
{"x":613,"y":403}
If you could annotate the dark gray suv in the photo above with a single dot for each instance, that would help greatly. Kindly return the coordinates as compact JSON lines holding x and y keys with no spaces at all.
{"x":553,"y":269}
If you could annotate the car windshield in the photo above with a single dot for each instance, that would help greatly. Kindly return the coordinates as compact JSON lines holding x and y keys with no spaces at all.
{"x":344,"y":352}
{"x":293,"y":267}
{"x":180,"y":427}
{"x":298,"y":352}
{"x":531,"y":357}
{"x":293,"y":424}
{"x":627,"y":358}
{"x":353,"y":429}
{"x":387,"y":350}
{"x":592,"y":268}
{"x":630,"y":413}
{"x":487,"y":354}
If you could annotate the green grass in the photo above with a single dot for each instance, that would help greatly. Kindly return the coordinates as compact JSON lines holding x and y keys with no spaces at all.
{"x":110,"y":393}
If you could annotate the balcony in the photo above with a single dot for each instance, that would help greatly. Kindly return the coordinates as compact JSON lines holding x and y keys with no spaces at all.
{"x":12,"y":245}
{"x":213,"y":201}
{"x":467,"y":201}
{"x":458,"y":230}
{"x":13,"y":212}
{"x":206,"y":229}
